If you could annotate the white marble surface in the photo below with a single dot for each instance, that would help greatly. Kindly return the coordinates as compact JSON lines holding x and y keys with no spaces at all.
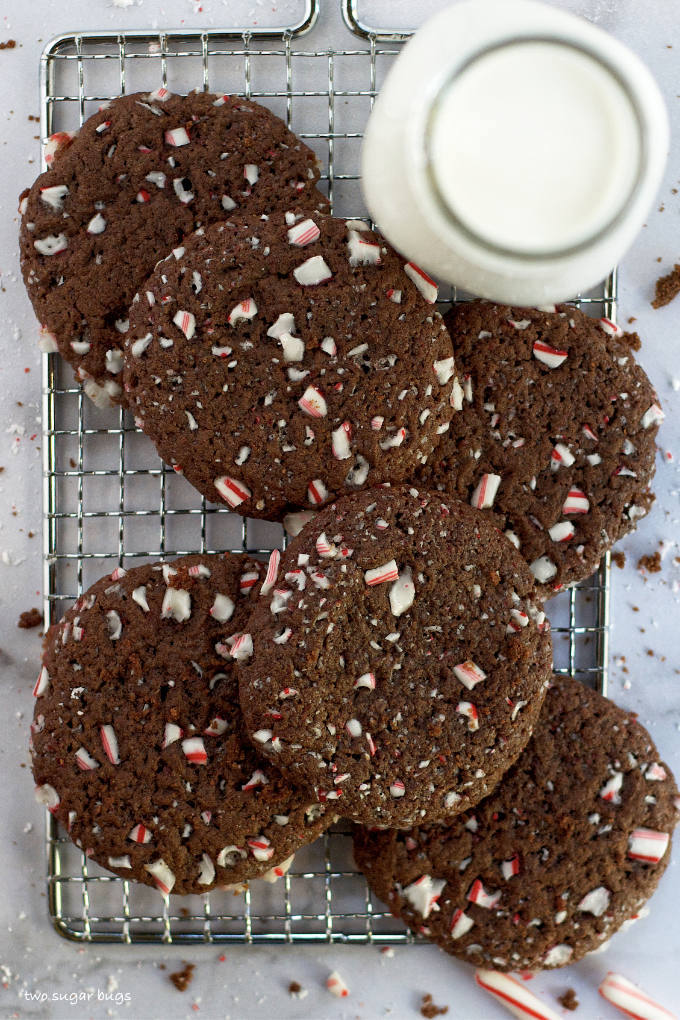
{"x":252,"y":983}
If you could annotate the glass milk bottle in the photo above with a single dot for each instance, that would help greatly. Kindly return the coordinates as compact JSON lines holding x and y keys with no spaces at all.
{"x":514,"y":150}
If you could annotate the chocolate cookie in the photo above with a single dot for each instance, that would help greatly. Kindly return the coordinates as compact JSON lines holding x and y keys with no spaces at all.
{"x":138,"y":741}
{"x":399,"y":663}
{"x":139,"y":175}
{"x":283,"y":362}
{"x":566,"y":849}
{"x":557,"y":433}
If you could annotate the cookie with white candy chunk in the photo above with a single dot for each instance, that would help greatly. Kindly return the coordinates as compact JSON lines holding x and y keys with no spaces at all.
{"x":138,"y":742}
{"x":557,"y":433}
{"x":399,"y":662}
{"x":139,"y":175}
{"x":283,"y":361}
{"x":565,"y":851}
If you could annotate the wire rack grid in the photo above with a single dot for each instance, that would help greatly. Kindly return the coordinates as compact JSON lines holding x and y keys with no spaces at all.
{"x":108,"y":499}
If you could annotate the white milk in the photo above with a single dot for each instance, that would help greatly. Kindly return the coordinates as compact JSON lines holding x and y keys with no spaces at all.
{"x":514,"y":150}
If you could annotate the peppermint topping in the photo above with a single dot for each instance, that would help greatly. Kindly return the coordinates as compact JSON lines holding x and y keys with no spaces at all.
{"x":460,"y":924}
{"x":550,"y":356}
{"x":469,"y":673}
{"x":561,"y":457}
{"x":424,"y":893}
{"x":631,"y":1000}
{"x":97,"y":225}
{"x":595,"y":902}
{"x":612,"y":789}
{"x":176,"y":605}
{"x":195,"y":751}
{"x":610,"y":328}
{"x":402,"y":593}
{"x":171,"y":733}
{"x":261,"y":848}
{"x":244,"y":310}
{"x":647,"y":845}
{"x":115,"y":627}
{"x":361,"y":252}
{"x":444,"y":370}
{"x":485,"y":493}
{"x":206,"y":871}
{"x":336,"y":986}
{"x":652,"y":416}
{"x":562,"y":531}
{"x":85,"y":761}
{"x":312,"y":402}
{"x":177,"y":137}
{"x":139,"y":834}
{"x":51,"y":245}
{"x":379,"y":575}
{"x":185,"y":321}
{"x":478,"y":894}
{"x":241,"y":646}
{"x":576,"y":503}
{"x":232,"y":491}
{"x":426,"y":286}
{"x":110,"y":744}
{"x":469,"y":710}
{"x":366,"y":680}
{"x":272,"y":571}
{"x":312,"y":272}
{"x":47,"y":796}
{"x":161,"y":873}
{"x":222,"y":608}
{"x":303,"y":233}
{"x":340,"y":441}
{"x":543,"y":569}
{"x":42,"y":683}
{"x":54,"y":196}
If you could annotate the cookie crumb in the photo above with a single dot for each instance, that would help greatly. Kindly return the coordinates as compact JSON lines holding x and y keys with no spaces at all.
{"x":652,"y":564}
{"x":666,"y":288}
{"x":297,"y":991}
{"x":181,"y":979}
{"x":430,"y":1010}
{"x":619,"y":558}
{"x":30,"y":618}
{"x":9,"y":45}
{"x":568,"y":999}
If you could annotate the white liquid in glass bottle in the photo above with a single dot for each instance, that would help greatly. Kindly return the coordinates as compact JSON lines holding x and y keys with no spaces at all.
{"x":514,"y":150}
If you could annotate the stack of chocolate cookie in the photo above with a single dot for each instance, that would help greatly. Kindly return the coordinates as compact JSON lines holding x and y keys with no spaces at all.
{"x":196,"y":722}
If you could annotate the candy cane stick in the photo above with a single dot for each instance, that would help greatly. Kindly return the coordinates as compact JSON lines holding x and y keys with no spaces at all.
{"x":515,"y":996}
{"x":631,"y":1000}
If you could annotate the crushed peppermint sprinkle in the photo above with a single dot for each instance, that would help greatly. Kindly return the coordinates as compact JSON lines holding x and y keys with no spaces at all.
{"x":340,"y":441}
{"x":244,"y":310}
{"x":424,"y":893}
{"x":336,"y":986}
{"x":460,"y":924}
{"x":177,"y":137}
{"x":576,"y":503}
{"x":595,"y":902}
{"x":485,"y":492}
{"x":647,"y":845}
{"x":469,"y":673}
{"x":562,"y":531}
{"x":241,"y":646}
{"x":443,"y":370}
{"x":85,"y":761}
{"x":427,"y":287}
{"x":110,"y":744}
{"x":222,"y":608}
{"x":478,"y":894}
{"x":543,"y":569}
{"x":317,"y":492}
{"x":186,"y":322}
{"x":366,"y":680}
{"x":467,"y":709}
{"x":312,"y":272}
{"x":232,"y":491}
{"x":652,"y":416}
{"x":162,"y":875}
{"x":550,"y":356}
{"x":195,"y":751}
{"x":402,"y":593}
{"x":139,"y":834}
{"x":51,"y":245}
{"x":303,"y":233}
{"x":561,"y":455}
{"x":313,"y":403}
{"x":610,"y":328}
{"x":272,"y":572}
{"x":176,"y":605}
{"x":379,"y":575}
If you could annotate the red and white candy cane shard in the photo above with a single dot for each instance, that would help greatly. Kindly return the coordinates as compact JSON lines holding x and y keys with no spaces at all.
{"x":159,"y":95}
{"x":336,"y":986}
{"x":312,"y":272}
{"x":162,"y":875}
{"x":402,"y":593}
{"x":361,"y":252}
{"x":612,"y":789}
{"x":48,"y":796}
{"x":588,"y":432}
{"x":647,"y":845}
{"x":443,"y":370}
{"x":288,"y":692}
{"x":518,"y":620}
{"x":377,"y":422}
{"x":222,"y":608}
{"x":54,"y":143}
{"x":427,"y":287}
{"x":510,"y":868}
{"x":550,"y":356}
{"x":241,"y":646}
{"x":317,"y":492}
{"x":139,"y":834}
{"x":54,"y":196}
{"x":652,"y":416}
{"x":515,"y":996}
{"x":329,"y":346}
{"x":397,"y":788}
{"x":478,"y":894}
{"x":576,"y":503}
{"x":171,"y":733}
{"x":85,"y":760}
{"x":261,"y":848}
{"x":485,"y":493}
{"x":424,"y":893}
{"x":51,"y":245}
{"x":325,"y":549}
{"x":232,"y":491}
{"x":469,"y":673}
{"x":469,"y":710}
{"x":195,"y":751}
{"x":258,"y":778}
{"x":42,"y":683}
{"x":217,"y":727}
{"x":177,"y":137}
{"x":244,"y":310}
{"x":340,"y":441}
{"x":372,"y":747}
{"x":303,"y":233}
{"x":313,"y":403}
{"x":248,"y":581}
{"x":394,"y":295}
{"x":186,"y":322}
{"x":272,"y":572}
{"x":366,"y":680}
{"x":460,"y":924}
{"x":110,"y":744}
{"x":379,"y":575}
{"x":656,"y":773}
{"x":631,"y":1000}
{"x":563,"y":531}
{"x":610,"y":328}
{"x":561,"y":456}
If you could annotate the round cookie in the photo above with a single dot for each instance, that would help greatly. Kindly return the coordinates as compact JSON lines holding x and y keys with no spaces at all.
{"x":143,"y":172}
{"x":282,"y":363}
{"x":137,"y":739}
{"x":557,"y":433}
{"x":567,"y":848}
{"x":399,"y":664}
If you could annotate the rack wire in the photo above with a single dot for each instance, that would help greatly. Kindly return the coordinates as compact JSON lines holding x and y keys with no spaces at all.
{"x":108,"y":500}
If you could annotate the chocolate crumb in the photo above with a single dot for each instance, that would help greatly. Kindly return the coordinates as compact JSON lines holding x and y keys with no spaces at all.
{"x":9,"y":45}
{"x":631,"y":320}
{"x":652,"y":564}
{"x":297,"y":991}
{"x":619,"y":558}
{"x":72,"y":463}
{"x":181,"y":979}
{"x":30,"y":618}
{"x":667,"y":287}
{"x":568,"y":999}
{"x":429,"y":1010}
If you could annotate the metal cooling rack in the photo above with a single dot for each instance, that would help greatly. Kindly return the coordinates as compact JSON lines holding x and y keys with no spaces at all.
{"x":108,"y":500}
